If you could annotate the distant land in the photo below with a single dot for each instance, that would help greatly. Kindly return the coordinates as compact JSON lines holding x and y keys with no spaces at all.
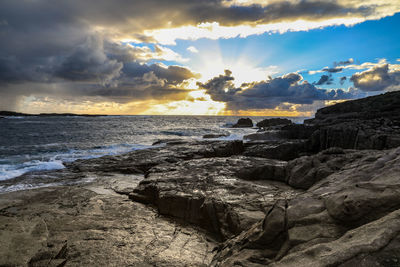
{"x":12,"y":113}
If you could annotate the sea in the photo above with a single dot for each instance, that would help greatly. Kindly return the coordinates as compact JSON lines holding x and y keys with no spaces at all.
{"x":39,"y":143}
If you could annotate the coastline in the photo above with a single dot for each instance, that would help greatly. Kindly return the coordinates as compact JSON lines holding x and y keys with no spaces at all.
{"x":328,"y":199}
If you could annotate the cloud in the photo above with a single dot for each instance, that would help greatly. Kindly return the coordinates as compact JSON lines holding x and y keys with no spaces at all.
{"x":122,"y":19}
{"x":269,"y":94}
{"x":192,"y":49}
{"x":90,"y":63}
{"x":343,"y":79}
{"x":82,"y":48}
{"x":343,"y":63}
{"x":325,"y":79}
{"x":166,"y":54}
{"x":126,"y":52}
{"x":97,"y":67}
{"x":326,"y":69}
{"x":378,"y":78}
{"x":332,"y":70}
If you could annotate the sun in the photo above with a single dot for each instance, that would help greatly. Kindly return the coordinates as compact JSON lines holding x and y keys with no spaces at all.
{"x":211,"y":64}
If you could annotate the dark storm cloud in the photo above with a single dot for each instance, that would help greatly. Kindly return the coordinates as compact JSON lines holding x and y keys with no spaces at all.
{"x":325,"y":79}
{"x":91,"y":69}
{"x":135,"y":14}
{"x":220,"y":86}
{"x":268,"y":94}
{"x":90,"y":63}
{"x":378,"y":78}
{"x":343,"y":79}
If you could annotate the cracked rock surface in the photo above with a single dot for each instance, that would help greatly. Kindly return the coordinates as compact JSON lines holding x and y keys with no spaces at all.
{"x":222,"y":195}
{"x":91,"y":225}
{"x":351,"y":215}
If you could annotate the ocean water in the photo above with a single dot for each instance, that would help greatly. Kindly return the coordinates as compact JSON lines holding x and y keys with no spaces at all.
{"x":43,"y":143}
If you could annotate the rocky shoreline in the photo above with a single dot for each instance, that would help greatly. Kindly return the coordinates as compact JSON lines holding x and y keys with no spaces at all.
{"x":323,"y":193}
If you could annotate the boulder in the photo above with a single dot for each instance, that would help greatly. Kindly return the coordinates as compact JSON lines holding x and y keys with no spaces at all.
{"x":243,"y":123}
{"x":273,"y":122}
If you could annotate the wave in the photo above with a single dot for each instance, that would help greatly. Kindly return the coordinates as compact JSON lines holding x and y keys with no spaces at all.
{"x":8,"y":171}
{"x":233,"y":136}
{"x":54,"y":161}
{"x":14,"y":117}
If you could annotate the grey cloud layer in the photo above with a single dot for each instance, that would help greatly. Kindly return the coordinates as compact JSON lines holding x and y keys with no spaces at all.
{"x":94,"y":68}
{"x":268,"y":94}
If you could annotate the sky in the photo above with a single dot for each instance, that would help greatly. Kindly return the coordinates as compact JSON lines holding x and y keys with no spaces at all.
{"x":204,"y":57}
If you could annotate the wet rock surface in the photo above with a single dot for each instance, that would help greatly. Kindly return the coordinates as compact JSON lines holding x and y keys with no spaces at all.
{"x":140,"y":161}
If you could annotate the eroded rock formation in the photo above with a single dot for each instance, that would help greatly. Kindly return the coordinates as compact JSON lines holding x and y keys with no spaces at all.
{"x":326,"y":193}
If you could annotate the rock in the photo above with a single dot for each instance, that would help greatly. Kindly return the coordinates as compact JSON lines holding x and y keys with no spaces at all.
{"x":297,"y":131}
{"x":270,"y":135}
{"x":208,"y":136}
{"x":349,"y":215}
{"x":339,"y":206}
{"x":384,"y":106}
{"x":171,"y":141}
{"x":140,"y":161}
{"x":368,"y":123}
{"x":282,"y":150}
{"x":371,"y":134}
{"x":222,"y":195}
{"x":305,"y":171}
{"x":372,"y":239}
{"x":273,"y":122}
{"x":243,"y":123}
{"x":90,"y":225}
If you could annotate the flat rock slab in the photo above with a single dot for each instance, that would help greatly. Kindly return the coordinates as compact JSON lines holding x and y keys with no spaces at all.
{"x":91,"y":225}
{"x":223,"y":195}
{"x":140,"y":161}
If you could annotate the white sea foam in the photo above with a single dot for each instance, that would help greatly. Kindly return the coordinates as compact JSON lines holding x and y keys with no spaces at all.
{"x":11,"y":171}
{"x":53,"y":161}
